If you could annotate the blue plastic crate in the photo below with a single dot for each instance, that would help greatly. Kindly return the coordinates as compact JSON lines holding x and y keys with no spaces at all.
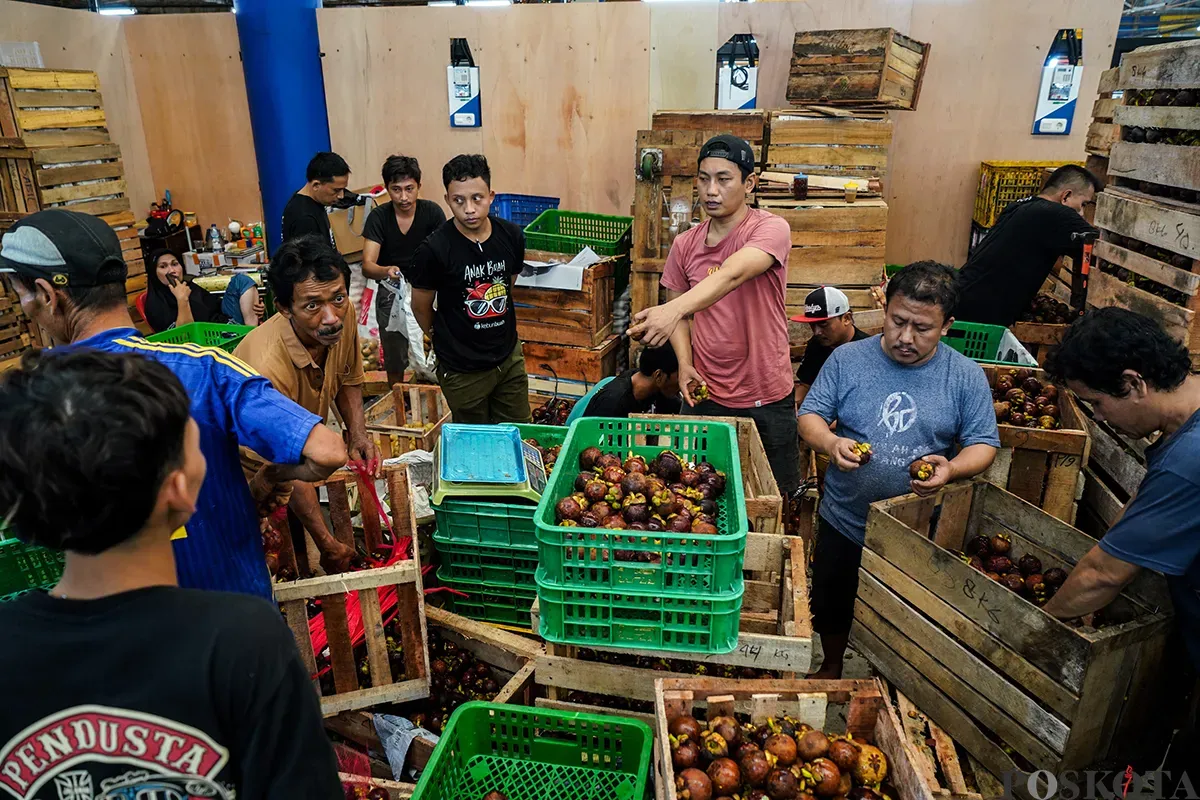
{"x":482,"y":454}
{"x":521,"y":209}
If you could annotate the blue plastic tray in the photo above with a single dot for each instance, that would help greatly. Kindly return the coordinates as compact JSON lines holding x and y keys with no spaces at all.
{"x":482,"y":454}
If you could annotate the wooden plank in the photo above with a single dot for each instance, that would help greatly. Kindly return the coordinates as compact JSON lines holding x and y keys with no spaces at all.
{"x":66,"y":138}
{"x":947,"y":756}
{"x":1105,"y":290}
{"x":52,"y":79}
{"x":848,"y":238}
{"x":1109,"y":81}
{"x":1152,"y":223}
{"x":33,"y":120}
{"x":1173,"y":277}
{"x":748,"y":125}
{"x":400,"y":692}
{"x":1027,"y":474}
{"x":399,"y":573}
{"x":860,"y":298}
{"x":296,"y":614}
{"x":81,"y":191}
{"x":1100,"y":499}
{"x":914,"y":725}
{"x":829,"y":155}
{"x":852,"y":266}
{"x":68,"y":155}
{"x":85,"y":172}
{"x":572,"y":363}
{"x":341,"y":651}
{"x":1168,"y":164}
{"x":957,"y":671}
{"x":375,"y":636}
{"x":787,"y":129}
{"x":8,"y":119}
{"x":1157,"y":117}
{"x":865,"y":215}
{"x":560,"y":334}
{"x":1163,"y":66}
{"x":1101,"y":136}
{"x":57,"y":99}
{"x":834,"y":88}
{"x":99,"y":207}
{"x":1103,"y":108}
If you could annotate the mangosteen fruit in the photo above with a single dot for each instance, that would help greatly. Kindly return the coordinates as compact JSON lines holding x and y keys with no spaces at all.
{"x":1029,"y":564}
{"x":728,"y":728}
{"x":595,"y":490}
{"x":872,"y":766}
{"x":783,"y":747}
{"x":589,"y":457}
{"x":812,"y":745}
{"x":709,"y":507}
{"x":782,"y":785}
{"x":979,"y":546}
{"x":679,"y":523}
{"x":582,"y":479}
{"x":568,"y":508}
{"x":863,"y":793}
{"x":920,"y":470}
{"x":602,"y":510}
{"x":704,"y":528}
{"x":843,"y":753}
{"x":634,"y":483}
{"x":1000,"y":544}
{"x":686,"y":755}
{"x":713,"y":746}
{"x":755,"y":769}
{"x":615,"y":522}
{"x":613,"y":475}
{"x":1001,"y":564}
{"x":588,"y":519}
{"x":1054,"y":577}
{"x":826,"y":777}
{"x":669,"y":466}
{"x":1002,"y":409}
{"x":1013,"y":582}
{"x":1035,"y":583}
{"x":635,"y":464}
{"x":1017,"y":418}
{"x":748,"y":746}
{"x":725,"y":775}
{"x":692,"y":784}
{"x":1015,"y":396}
{"x":689,"y":477}
{"x":636,"y":513}
{"x":1004,"y":383}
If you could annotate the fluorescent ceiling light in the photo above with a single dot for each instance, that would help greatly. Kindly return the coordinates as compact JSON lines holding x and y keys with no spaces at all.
{"x":116,"y":12}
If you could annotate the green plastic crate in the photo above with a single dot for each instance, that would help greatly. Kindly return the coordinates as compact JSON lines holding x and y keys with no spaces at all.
{"x":642,"y":620}
{"x":498,"y":521}
{"x":537,"y":754}
{"x":975,"y":340}
{"x":674,"y":563}
{"x":489,"y":602}
{"x":206,"y":334}
{"x":571,"y":231}
{"x":514,"y":566}
{"x":24,"y":567}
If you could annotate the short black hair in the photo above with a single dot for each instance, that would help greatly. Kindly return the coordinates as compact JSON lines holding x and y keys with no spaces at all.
{"x":465,"y":167}
{"x":397,"y":168}
{"x":927,"y":282}
{"x":1072,"y":176}
{"x":324,"y":167}
{"x":653,"y":359}
{"x":297,"y":260}
{"x":104,"y":297}
{"x":86,"y":440}
{"x":1104,"y":342}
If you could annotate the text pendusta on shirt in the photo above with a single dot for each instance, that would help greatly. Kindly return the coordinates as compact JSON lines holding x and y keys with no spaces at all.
{"x":475,"y":324}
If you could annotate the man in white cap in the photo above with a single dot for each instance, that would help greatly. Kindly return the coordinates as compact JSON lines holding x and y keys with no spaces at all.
{"x":827,"y":311}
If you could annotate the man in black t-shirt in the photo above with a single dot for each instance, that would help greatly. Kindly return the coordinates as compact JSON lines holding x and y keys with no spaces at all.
{"x":391,"y":235}
{"x":124,"y":684}
{"x":827,"y":311}
{"x":327,"y":176}
{"x":1003,"y":276}
{"x":468,"y":266}
{"x":653,"y":386}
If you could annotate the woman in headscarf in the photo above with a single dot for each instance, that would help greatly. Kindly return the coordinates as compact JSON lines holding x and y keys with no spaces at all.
{"x":173,"y":300}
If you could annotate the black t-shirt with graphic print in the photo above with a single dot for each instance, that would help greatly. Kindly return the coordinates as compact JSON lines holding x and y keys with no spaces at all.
{"x":475,"y":325}
{"x":157,"y":692}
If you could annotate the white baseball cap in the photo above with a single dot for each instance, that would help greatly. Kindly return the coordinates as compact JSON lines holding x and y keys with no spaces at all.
{"x":824,"y":303}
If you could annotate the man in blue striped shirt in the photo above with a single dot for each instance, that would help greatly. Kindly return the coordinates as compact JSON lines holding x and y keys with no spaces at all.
{"x":68,"y":271}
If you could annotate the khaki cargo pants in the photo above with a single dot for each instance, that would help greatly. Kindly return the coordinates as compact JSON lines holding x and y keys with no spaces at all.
{"x":491,"y":396}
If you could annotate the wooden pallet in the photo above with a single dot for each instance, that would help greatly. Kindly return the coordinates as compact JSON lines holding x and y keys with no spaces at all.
{"x":750,"y":125}
{"x":870,"y":66}
{"x":586,"y":364}
{"x":582,"y":318}
{"x":1156,"y":245}
{"x":869,"y":717}
{"x":674,"y":180}
{"x":1017,"y":688}
{"x":1171,"y":169}
{"x":420,"y":408}
{"x":1043,"y":467}
{"x":828,"y":146}
{"x":764,"y":504}
{"x":1114,"y":471}
{"x":775,"y":630}
{"x":18,"y":192}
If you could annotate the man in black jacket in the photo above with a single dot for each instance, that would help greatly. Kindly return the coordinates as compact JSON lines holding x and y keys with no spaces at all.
{"x":1003,"y":276}
{"x":140,"y":688}
{"x":327,"y":176}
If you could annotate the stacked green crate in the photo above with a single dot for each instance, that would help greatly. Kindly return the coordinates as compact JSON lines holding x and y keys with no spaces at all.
{"x":489,"y":551}
{"x":600,"y":587}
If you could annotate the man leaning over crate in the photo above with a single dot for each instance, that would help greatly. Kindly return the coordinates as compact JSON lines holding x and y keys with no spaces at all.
{"x":908,"y":397}
{"x":69,"y":274}
{"x":726,"y":315}
{"x":310,"y":352}
{"x":140,"y":688}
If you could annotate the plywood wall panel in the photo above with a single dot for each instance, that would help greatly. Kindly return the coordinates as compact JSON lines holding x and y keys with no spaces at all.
{"x":683,"y":55}
{"x":195,"y":115}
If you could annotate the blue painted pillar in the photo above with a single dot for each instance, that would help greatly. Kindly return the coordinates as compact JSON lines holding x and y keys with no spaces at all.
{"x":281,"y":59}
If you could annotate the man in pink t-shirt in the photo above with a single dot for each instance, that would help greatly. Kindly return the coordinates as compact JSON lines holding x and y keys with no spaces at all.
{"x":726,"y":317}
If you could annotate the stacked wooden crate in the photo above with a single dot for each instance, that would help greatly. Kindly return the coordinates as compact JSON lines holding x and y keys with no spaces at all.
{"x":838,"y":234}
{"x":59,"y":117}
{"x":870,"y":67}
{"x":18,"y":197}
{"x":1103,"y":132}
{"x":1148,"y":256}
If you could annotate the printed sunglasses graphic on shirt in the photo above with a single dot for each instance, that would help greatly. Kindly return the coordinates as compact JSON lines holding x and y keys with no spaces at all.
{"x":487,"y":300}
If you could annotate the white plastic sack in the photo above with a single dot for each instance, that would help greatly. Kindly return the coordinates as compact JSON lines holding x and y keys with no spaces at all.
{"x":402,"y":320}
{"x":396,"y":734}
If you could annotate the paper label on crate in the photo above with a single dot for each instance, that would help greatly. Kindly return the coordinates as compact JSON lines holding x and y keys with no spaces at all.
{"x":556,"y":275}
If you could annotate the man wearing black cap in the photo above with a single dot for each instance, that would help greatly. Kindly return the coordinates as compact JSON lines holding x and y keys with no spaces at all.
{"x":726,"y":317}
{"x":68,"y":272}
{"x":827,"y":311}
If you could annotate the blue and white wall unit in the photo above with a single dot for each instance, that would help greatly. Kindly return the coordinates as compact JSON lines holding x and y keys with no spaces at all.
{"x":462,"y":79}
{"x":1058,"y":94}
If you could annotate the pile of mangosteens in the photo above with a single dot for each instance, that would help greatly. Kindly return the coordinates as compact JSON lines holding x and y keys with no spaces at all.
{"x":781,"y":759}
{"x":666,"y":494}
{"x":1047,"y":310}
{"x":678,"y":665}
{"x":1023,"y":575}
{"x":1024,"y":401}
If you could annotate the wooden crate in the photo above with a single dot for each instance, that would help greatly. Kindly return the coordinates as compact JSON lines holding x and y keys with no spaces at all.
{"x":18,"y":193}
{"x":17,"y":332}
{"x":581,"y":318}
{"x":1157,"y":246}
{"x":510,"y":656}
{"x":1040,"y":466}
{"x":1017,"y":688}
{"x":1172,"y":168}
{"x":838,"y":147}
{"x":935,"y":755}
{"x":868,"y":716}
{"x":871,"y":66}
{"x":750,"y":125}
{"x":775,"y":631}
{"x":1114,"y":471}
{"x":409,"y":417}
{"x":764,"y":504}
{"x":586,"y":364}
{"x":1102,"y":133}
